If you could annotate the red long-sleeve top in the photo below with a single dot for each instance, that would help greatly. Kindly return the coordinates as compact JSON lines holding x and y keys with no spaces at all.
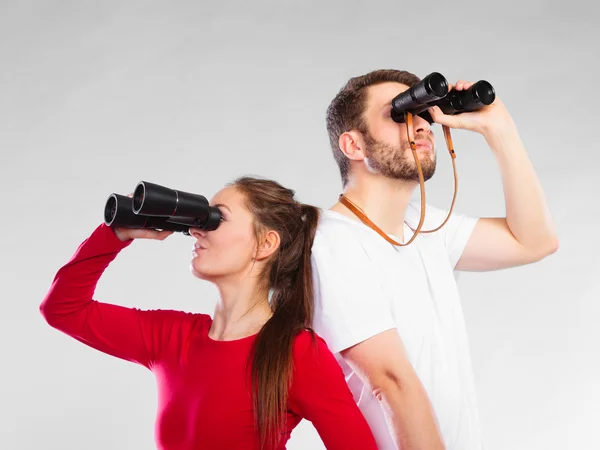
{"x":204,"y":399}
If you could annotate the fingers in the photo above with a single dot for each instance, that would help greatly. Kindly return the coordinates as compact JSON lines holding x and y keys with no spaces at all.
{"x":450,"y":121}
{"x":124,"y":233}
{"x":435,"y":113}
{"x":158,"y":235}
{"x":162,"y":235}
{"x":461,"y":85}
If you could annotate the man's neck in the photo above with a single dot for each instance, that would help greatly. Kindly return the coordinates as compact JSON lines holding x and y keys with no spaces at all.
{"x":383,"y":200}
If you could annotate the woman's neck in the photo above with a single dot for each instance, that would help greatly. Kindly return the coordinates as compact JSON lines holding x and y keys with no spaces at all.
{"x":241,"y":311}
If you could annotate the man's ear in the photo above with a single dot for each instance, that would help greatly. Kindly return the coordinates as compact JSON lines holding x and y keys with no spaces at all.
{"x":268,"y":245}
{"x":352,"y":144}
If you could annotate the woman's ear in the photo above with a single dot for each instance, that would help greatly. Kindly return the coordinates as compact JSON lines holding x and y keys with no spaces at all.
{"x":268,"y":245}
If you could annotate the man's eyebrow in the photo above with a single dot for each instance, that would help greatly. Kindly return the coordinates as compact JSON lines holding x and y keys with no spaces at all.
{"x":221,"y":204}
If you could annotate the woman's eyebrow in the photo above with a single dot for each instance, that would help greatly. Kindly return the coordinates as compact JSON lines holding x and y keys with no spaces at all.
{"x":221,"y":204}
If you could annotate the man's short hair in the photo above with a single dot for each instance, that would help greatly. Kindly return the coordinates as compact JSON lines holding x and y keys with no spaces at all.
{"x":345,"y":112}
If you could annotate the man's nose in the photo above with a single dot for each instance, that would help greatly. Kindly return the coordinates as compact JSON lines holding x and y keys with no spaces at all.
{"x":420,"y":125}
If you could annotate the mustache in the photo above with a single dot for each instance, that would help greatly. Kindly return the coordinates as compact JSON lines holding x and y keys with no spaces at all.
{"x":424,"y":137}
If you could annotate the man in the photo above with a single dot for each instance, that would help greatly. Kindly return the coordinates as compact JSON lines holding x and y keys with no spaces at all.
{"x":392,"y":313}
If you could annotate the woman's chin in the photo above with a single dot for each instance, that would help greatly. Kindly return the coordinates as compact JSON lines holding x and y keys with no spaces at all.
{"x":197,"y":272}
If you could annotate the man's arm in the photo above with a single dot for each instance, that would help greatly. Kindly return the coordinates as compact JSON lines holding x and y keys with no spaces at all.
{"x":527,"y":233}
{"x":383,"y":366}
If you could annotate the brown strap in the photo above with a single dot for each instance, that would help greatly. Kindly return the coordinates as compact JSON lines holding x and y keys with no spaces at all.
{"x":408,"y":119}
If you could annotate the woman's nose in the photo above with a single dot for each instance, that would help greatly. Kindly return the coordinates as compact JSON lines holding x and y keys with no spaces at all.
{"x":198,"y":233}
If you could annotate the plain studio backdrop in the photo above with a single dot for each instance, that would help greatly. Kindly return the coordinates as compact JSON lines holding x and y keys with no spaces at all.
{"x":98,"y":95}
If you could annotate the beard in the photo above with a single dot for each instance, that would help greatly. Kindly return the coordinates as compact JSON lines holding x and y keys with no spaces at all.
{"x":398,"y":162}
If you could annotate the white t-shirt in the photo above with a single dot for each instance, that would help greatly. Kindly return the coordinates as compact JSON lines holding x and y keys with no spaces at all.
{"x":365,"y":285}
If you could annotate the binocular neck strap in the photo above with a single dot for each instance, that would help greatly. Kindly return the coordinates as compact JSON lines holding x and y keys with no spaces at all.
{"x":408,"y":119}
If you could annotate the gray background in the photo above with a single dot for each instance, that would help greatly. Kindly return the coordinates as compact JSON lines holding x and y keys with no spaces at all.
{"x":95,"y":96}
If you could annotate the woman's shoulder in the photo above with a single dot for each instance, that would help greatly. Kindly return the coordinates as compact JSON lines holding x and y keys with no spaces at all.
{"x":308,"y":345}
{"x":315,"y":366}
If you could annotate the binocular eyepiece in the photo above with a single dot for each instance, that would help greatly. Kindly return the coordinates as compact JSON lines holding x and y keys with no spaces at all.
{"x":160,"y":208}
{"x":433,"y":91}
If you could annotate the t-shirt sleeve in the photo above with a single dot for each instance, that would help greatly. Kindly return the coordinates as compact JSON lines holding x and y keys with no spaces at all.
{"x":319,"y":393}
{"x":128,"y":333}
{"x":350,"y":304}
{"x":454,"y":234}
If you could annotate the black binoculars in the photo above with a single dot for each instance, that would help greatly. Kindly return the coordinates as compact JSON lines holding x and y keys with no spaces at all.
{"x":433,"y":91}
{"x":160,"y":208}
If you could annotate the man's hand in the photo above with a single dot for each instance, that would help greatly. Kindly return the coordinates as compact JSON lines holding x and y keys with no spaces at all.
{"x":489,"y":119}
{"x":526,"y":234}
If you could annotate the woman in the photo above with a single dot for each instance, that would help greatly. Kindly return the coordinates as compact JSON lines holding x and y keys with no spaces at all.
{"x":246,"y":377}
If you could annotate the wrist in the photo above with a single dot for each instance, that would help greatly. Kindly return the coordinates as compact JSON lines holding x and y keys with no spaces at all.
{"x":501,"y":135}
{"x":122,"y":234}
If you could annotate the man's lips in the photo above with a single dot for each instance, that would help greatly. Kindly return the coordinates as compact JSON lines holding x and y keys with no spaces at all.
{"x":423,"y":145}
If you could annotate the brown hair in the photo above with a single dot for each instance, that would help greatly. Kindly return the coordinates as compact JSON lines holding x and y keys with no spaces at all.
{"x":288,"y":276}
{"x":345,"y":112}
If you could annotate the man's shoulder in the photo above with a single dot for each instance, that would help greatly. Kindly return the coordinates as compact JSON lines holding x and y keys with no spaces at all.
{"x":335,"y":229}
{"x":331,"y":222}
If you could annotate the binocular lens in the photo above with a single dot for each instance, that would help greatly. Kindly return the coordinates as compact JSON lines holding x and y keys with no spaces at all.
{"x":110,"y":209}
{"x":118,"y":213}
{"x":484,"y":91}
{"x":418,"y":97}
{"x":153,"y":200}
{"x":436,"y":84}
{"x":138,"y":198}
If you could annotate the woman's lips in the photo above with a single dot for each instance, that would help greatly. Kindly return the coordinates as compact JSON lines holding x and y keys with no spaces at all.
{"x":197,"y":249}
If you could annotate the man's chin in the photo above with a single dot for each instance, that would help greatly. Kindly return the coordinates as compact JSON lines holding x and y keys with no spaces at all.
{"x":411,"y":176}
{"x":427,"y":174}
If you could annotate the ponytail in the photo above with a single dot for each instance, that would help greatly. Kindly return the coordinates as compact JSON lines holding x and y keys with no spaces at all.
{"x":288,"y":276}
{"x":293,"y":306}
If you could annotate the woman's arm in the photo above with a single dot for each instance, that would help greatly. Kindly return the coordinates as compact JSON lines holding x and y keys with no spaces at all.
{"x":127,"y":333}
{"x":319,"y":393}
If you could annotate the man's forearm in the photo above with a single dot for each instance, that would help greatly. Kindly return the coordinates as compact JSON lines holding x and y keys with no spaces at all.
{"x":410,"y":417}
{"x":527,"y":213}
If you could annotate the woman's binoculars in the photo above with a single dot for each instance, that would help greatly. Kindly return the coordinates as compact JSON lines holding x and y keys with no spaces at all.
{"x":433,"y":91}
{"x":160,"y":208}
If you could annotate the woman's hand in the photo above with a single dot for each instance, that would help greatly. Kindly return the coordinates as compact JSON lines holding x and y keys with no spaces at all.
{"x":127,"y":234}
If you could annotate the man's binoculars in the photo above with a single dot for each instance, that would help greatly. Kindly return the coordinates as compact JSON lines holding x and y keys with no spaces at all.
{"x":160,"y":208}
{"x":433,"y":91}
